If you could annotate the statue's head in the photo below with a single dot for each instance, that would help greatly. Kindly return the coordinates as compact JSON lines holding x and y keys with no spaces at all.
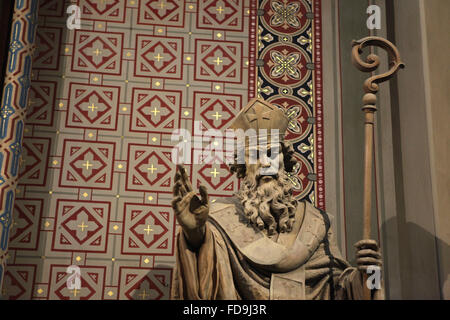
{"x":263,"y":162}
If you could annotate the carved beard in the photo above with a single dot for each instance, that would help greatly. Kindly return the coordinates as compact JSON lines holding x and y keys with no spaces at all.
{"x":268,"y":203}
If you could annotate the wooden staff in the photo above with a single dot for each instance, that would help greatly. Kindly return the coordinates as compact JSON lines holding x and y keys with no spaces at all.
{"x":369,"y":107}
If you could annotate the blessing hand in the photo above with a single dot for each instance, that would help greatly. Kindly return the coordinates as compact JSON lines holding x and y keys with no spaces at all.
{"x":190,"y":210}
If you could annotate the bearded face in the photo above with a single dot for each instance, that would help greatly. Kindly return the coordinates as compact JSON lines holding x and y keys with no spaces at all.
{"x":267,"y":199}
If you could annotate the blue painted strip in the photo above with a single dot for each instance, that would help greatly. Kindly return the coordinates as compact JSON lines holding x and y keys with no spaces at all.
{"x":15,"y":46}
{"x":2,"y":180}
{"x":32,"y":18}
{"x":16,"y":149}
{"x":7,"y":110}
{"x":20,"y":4}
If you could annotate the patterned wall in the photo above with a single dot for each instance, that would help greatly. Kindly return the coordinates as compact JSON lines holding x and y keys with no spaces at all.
{"x":290,"y":76}
{"x":95,"y":174}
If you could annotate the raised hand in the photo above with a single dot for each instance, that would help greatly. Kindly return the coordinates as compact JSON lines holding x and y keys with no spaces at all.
{"x":190,"y":210}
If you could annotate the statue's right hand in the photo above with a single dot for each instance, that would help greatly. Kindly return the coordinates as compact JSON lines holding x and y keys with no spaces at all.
{"x":190,"y":210}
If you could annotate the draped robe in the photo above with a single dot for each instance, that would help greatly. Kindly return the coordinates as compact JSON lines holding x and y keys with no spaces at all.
{"x":238,"y":261}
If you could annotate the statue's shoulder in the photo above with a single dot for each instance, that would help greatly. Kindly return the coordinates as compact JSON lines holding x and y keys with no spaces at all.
{"x":220,"y":206}
{"x":317,"y":215}
{"x":224,"y":210}
{"x":225,"y":202}
{"x":315,"y":226}
{"x":228,"y":210}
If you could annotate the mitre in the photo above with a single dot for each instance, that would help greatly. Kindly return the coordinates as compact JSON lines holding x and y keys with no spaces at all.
{"x":260,"y":114}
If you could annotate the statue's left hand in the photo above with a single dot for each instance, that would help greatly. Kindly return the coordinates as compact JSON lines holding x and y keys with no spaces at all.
{"x":367,"y":254}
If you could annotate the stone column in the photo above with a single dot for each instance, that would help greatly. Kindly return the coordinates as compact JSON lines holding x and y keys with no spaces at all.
{"x":12,"y":113}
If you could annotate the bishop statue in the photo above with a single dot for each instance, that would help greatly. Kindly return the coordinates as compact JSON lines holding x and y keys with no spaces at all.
{"x":262,"y":243}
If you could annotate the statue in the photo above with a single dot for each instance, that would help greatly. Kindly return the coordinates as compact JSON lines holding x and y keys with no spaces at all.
{"x":261,"y":243}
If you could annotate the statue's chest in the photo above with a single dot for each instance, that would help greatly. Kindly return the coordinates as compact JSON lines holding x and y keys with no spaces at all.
{"x":289,"y":252}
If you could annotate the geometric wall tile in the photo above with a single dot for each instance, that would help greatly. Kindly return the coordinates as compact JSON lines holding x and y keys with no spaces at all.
{"x":149,"y":168}
{"x":92,"y":283}
{"x":144,"y":284}
{"x":159,"y":57}
{"x":148,"y":229}
{"x":218,"y":61}
{"x":111,"y":10}
{"x":216,"y":177}
{"x":87,"y":164}
{"x":225,"y":14}
{"x":25,"y":230}
{"x":34,"y":164}
{"x":81,"y":226}
{"x":93,"y":107}
{"x":99,"y":52}
{"x":217,"y":111}
{"x":18,"y":282}
{"x":167,"y":13}
{"x":48,"y":41}
{"x":41,"y":103}
{"x":51,"y":8}
{"x":154,"y":110}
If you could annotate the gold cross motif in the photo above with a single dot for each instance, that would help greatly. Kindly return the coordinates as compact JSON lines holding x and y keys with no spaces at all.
{"x":82,"y":226}
{"x":217,"y":115}
{"x":159,"y":57}
{"x":92,"y":107}
{"x":75,"y":292}
{"x":220,"y":9}
{"x":87,"y":165}
{"x":162,"y":5}
{"x":148,"y":230}
{"x":144,"y":294}
{"x":218,"y":61}
{"x":215,"y":172}
{"x":97,"y":52}
{"x":155,"y":111}
{"x":152,"y":168}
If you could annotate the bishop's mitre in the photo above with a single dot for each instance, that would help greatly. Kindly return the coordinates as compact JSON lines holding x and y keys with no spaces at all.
{"x":260,"y":114}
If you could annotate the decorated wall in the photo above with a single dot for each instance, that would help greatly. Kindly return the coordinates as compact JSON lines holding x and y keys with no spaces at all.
{"x":95,"y":171}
